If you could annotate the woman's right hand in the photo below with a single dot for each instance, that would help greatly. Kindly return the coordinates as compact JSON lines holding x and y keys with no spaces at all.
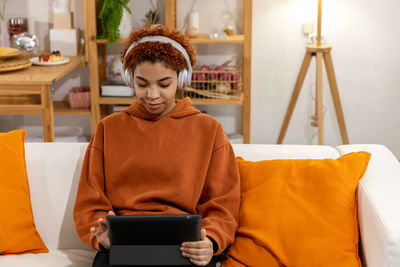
{"x":101,"y":232}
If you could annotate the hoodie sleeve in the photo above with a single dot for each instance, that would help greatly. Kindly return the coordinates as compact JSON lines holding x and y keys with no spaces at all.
{"x":91,"y":202}
{"x":220,"y":198}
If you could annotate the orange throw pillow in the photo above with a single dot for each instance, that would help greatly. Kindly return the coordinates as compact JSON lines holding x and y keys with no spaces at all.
{"x":298,"y":213}
{"x":17,"y":229}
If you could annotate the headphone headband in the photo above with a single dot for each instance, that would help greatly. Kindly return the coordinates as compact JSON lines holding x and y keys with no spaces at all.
{"x":163,"y":39}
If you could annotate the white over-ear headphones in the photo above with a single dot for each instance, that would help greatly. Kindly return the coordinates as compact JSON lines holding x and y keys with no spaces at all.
{"x":184,"y":76}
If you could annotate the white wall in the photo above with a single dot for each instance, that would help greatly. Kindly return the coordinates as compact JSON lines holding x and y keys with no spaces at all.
{"x":364,"y":35}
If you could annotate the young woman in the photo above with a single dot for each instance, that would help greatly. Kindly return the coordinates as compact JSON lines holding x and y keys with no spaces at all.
{"x":160,"y":155}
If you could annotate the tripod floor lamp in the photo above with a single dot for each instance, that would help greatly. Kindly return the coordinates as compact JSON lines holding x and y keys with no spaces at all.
{"x":322,"y":53}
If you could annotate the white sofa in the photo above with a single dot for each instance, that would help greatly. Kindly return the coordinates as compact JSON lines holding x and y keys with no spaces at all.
{"x":54,"y":170}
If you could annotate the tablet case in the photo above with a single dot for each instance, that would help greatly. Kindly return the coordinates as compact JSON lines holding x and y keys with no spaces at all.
{"x":151,"y":239}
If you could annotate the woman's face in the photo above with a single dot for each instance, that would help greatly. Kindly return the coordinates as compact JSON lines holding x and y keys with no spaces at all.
{"x":155,"y":87}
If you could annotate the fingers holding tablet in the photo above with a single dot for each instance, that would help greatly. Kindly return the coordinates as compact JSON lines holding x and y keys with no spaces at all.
{"x":198,"y":252}
{"x":101,"y":232}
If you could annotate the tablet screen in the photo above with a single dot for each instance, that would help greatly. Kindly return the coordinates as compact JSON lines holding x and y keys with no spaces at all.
{"x":153,"y":229}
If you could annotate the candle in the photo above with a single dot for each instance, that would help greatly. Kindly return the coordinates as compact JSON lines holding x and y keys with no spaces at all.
{"x":193,"y":20}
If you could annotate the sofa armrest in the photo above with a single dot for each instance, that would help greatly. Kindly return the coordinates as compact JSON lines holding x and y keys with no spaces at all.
{"x":379,"y":206}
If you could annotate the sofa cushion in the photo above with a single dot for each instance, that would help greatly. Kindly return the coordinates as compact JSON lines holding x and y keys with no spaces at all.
{"x":18,"y":231}
{"x":55,"y":258}
{"x":298,"y":212}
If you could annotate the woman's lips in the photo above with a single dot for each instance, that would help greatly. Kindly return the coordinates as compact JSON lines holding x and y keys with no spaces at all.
{"x":153,"y":106}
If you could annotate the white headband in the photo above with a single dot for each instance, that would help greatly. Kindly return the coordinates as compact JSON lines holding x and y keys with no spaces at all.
{"x":163,"y":39}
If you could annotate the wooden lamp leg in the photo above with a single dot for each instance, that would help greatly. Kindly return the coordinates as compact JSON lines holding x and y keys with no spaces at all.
{"x":335,"y":96}
{"x":319,"y":100}
{"x":322,"y":53}
{"x":295,"y":95}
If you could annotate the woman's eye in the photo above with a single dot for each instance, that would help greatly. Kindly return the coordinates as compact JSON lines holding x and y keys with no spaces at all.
{"x":165,"y":85}
{"x":142,"y":85}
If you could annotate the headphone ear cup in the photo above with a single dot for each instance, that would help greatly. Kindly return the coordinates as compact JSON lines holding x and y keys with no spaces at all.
{"x":188,"y":79}
{"x":125,"y":73}
{"x":182,"y":79}
{"x":128,"y":78}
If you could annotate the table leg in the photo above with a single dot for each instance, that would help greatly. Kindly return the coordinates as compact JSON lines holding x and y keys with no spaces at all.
{"x":47,"y":114}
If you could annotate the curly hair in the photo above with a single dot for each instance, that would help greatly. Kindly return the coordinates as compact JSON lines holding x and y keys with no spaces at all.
{"x":158,"y":51}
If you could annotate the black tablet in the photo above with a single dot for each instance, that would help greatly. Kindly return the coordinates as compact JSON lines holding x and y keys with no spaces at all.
{"x":151,"y":239}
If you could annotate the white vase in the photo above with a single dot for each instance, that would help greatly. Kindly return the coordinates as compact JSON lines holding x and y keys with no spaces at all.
{"x":125,"y":27}
{"x":115,"y":70}
{"x":4,"y":37}
{"x":62,"y":6}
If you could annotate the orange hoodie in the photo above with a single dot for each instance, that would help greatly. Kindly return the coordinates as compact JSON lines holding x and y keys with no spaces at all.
{"x":141,"y":163}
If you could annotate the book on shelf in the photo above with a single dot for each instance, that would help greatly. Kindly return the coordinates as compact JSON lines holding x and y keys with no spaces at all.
{"x":118,"y":108}
{"x":110,"y":88}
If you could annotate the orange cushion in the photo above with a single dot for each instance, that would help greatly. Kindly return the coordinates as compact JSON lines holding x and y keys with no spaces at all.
{"x":298,"y":212}
{"x":17,"y":229}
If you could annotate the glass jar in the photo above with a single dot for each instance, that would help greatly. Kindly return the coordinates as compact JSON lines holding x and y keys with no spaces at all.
{"x":17,"y":26}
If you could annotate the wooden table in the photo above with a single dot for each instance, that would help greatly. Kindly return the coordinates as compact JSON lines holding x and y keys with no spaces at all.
{"x":35,"y":80}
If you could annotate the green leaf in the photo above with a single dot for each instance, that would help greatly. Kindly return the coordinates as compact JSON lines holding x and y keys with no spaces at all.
{"x":110,"y":17}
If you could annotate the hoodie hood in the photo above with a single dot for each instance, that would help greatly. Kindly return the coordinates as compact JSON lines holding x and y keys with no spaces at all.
{"x":182,"y":109}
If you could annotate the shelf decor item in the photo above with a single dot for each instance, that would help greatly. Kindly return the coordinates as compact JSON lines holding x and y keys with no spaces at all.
{"x":193,"y":26}
{"x":26,"y":42}
{"x":7,"y":52}
{"x":115,"y":70}
{"x":17,"y":26}
{"x":63,"y":18}
{"x":4,"y":38}
{"x":152,"y":17}
{"x":36,"y":61}
{"x":14,"y":63}
{"x":79,"y":97}
{"x":125,"y":27}
{"x":215,"y":83}
{"x":322,"y":53}
{"x":227,"y":20}
{"x":65,"y":40}
{"x":61,"y":6}
{"x":110,"y":18}
{"x":63,"y":21}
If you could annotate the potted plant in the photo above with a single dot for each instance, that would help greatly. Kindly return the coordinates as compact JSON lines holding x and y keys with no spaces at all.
{"x":110,"y":17}
{"x":151,"y":17}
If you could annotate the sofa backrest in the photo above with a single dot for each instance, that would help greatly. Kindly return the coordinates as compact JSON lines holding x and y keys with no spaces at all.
{"x":53,"y":174}
{"x":256,"y":152}
{"x":54,"y":171}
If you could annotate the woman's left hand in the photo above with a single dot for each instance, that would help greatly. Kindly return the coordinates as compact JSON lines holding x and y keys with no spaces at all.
{"x":198,"y":252}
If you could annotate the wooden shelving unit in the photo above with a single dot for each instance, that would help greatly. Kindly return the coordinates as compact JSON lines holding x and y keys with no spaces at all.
{"x":63,"y":108}
{"x":202,"y":39}
{"x":28,"y":92}
{"x":96,"y":56}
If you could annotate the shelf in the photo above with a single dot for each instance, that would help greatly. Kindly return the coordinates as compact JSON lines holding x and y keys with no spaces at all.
{"x":116,"y":100}
{"x":205,"y":39}
{"x":128,"y":101}
{"x":63,"y":108}
{"x":217,"y":101}
{"x":202,"y":39}
{"x":118,"y":41}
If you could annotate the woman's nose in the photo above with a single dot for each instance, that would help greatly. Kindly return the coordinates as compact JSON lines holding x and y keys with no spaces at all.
{"x":153,"y":92}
